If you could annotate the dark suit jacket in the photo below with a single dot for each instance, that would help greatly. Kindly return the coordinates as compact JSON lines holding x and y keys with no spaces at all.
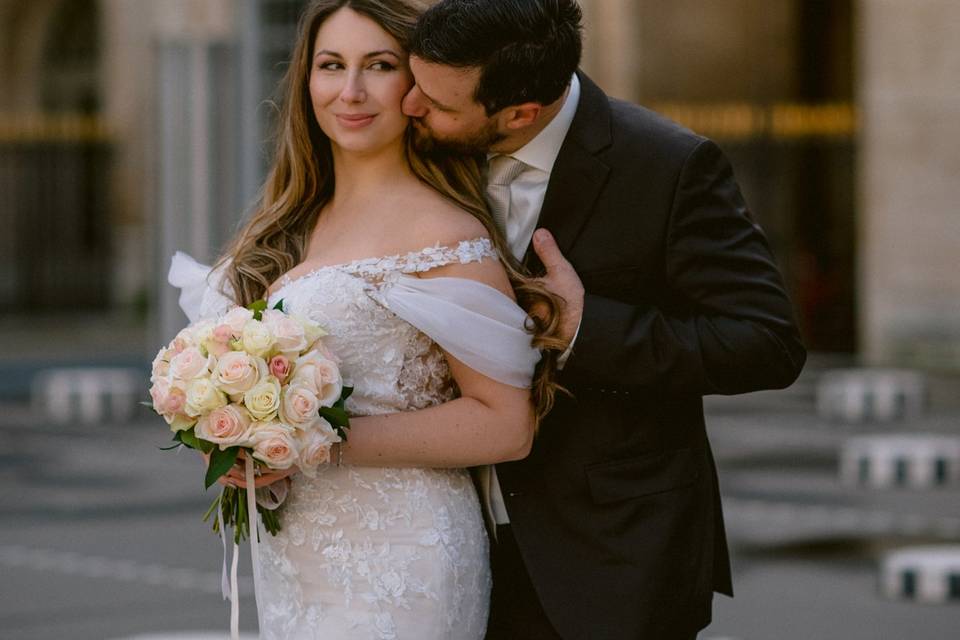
{"x":616,"y":510}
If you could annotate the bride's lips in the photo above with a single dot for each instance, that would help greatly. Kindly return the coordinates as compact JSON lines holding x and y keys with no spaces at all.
{"x":356,"y":120}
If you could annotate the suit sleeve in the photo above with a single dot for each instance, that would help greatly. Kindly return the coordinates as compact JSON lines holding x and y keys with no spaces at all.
{"x":729,"y":327}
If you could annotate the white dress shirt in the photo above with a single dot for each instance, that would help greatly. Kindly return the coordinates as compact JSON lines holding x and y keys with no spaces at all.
{"x":527,"y":192}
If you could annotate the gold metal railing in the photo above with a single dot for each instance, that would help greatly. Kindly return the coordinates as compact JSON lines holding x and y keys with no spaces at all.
{"x":779,"y":121}
{"x":47,"y":127}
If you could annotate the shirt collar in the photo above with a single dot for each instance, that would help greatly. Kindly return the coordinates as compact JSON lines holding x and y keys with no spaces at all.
{"x":542,"y":151}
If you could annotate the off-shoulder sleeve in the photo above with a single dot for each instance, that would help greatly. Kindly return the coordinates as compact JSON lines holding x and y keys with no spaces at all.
{"x":199,"y":295}
{"x":472,"y":321}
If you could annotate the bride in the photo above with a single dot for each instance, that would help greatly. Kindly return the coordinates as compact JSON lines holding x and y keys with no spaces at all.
{"x":387,"y":542}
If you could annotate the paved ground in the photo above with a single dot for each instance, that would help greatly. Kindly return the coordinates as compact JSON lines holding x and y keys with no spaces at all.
{"x":100,"y":533}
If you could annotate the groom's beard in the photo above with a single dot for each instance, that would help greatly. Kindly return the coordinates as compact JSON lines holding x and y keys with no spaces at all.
{"x":479,"y":142}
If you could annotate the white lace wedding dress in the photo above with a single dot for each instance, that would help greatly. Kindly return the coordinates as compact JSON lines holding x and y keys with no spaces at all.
{"x":384,"y":553}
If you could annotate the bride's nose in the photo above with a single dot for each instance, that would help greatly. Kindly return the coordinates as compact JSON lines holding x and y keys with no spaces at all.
{"x":353,"y":90}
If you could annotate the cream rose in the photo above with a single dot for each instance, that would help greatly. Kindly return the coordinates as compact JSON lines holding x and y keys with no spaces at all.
{"x":203,"y":396}
{"x":263,"y":400}
{"x":237,"y":372}
{"x":311,"y":330}
{"x":257,"y":339}
{"x":228,"y":426}
{"x":274,"y":444}
{"x":321,"y":375}
{"x":314,"y":445}
{"x":289,"y":333}
{"x":299,"y":405}
{"x":190,"y":363}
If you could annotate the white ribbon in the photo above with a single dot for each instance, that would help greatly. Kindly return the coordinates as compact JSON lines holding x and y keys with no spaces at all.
{"x":231,"y":591}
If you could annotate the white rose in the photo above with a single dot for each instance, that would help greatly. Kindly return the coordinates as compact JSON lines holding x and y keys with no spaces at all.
{"x":160,"y":366}
{"x":263,"y":400}
{"x":256,"y":338}
{"x":228,"y":426}
{"x":237,"y":319}
{"x":299,"y":405}
{"x":321,"y":375}
{"x":289,"y":333}
{"x":203,"y":396}
{"x":314,"y":445}
{"x":190,"y":363}
{"x":237,"y":372}
{"x":274,"y":444}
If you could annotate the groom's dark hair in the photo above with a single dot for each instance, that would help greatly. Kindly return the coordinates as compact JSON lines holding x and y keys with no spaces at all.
{"x":527,"y":50}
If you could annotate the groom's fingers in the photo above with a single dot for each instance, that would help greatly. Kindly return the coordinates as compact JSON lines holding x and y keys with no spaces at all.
{"x":548,"y":251}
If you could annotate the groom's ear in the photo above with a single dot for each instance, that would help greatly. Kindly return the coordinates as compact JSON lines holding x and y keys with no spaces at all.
{"x":521,"y":116}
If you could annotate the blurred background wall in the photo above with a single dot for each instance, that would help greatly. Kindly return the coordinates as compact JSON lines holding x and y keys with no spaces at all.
{"x":130,"y":129}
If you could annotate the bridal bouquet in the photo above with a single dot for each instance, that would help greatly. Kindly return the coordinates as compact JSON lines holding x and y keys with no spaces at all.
{"x":254,"y":383}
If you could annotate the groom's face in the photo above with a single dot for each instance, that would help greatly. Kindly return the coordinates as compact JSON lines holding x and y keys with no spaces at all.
{"x":444,"y":113}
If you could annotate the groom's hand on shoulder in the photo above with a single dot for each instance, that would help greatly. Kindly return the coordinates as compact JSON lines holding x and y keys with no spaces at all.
{"x":562,"y":279}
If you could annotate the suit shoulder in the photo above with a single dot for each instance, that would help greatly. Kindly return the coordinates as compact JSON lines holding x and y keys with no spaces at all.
{"x":638,"y":129}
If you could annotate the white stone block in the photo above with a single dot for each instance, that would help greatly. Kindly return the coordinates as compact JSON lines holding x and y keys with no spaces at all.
{"x":925,"y":574}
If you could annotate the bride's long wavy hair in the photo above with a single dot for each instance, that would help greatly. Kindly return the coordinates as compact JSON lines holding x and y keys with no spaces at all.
{"x":301,"y":182}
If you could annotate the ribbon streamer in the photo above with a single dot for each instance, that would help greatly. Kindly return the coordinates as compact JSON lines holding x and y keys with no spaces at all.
{"x":231,"y":591}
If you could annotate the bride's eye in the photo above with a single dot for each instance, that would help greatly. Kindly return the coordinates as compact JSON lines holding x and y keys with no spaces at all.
{"x":330,"y":66}
{"x":380,"y":65}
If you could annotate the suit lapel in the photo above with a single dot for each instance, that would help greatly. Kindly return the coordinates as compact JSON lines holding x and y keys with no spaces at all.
{"x":578,"y":174}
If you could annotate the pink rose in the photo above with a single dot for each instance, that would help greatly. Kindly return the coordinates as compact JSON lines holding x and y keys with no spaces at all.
{"x":189,"y":364}
{"x":280,"y":367}
{"x":299,"y":406}
{"x":321,"y":375}
{"x":175,"y":402}
{"x":182,"y":340}
{"x":237,"y":372}
{"x":158,"y":393}
{"x":227,"y":426}
{"x":314,"y":445}
{"x":274,"y":444}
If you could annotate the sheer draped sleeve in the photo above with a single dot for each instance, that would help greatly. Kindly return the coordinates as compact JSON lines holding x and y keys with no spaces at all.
{"x":200,"y":296}
{"x":472,"y":321}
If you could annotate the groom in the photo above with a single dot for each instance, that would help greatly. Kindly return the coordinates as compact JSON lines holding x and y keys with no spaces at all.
{"x":611,"y":528}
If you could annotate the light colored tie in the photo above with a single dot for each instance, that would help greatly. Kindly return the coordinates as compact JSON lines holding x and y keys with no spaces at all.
{"x":502,"y":170}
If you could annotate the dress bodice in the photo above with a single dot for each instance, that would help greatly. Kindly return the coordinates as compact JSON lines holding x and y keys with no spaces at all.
{"x":391,"y":364}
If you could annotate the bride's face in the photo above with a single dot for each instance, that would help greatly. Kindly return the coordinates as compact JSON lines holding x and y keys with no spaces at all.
{"x":358,"y":78}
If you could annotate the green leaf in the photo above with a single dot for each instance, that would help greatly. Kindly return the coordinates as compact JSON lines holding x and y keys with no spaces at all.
{"x":147,"y":404}
{"x":279,"y":305}
{"x":344,"y":394}
{"x":173,"y":446}
{"x":335,"y":416}
{"x":258,"y":307}
{"x":220,"y":463}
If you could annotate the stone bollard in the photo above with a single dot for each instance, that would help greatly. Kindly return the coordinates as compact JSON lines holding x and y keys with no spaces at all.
{"x":924,"y":574}
{"x":88,"y":395}
{"x":885,"y":461}
{"x":871,"y":395}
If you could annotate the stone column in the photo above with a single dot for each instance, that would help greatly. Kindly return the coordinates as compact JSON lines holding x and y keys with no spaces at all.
{"x":196,"y":102}
{"x":909,"y":182}
{"x":611,"y":55}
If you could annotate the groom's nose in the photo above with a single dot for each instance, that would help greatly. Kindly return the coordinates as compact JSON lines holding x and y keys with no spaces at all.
{"x":413,"y":104}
